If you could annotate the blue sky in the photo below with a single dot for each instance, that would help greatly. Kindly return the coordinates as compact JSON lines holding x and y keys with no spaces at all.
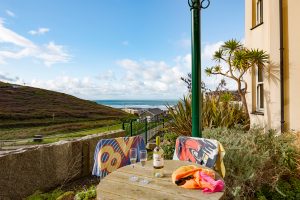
{"x":110,"y":49}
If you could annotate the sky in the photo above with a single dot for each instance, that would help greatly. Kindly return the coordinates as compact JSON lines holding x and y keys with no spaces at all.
{"x":110,"y":49}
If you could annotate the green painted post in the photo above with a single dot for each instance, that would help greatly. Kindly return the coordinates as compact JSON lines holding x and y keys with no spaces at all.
{"x":196,"y":69}
{"x":146,"y":130}
{"x":196,"y":6}
{"x":131,"y":127}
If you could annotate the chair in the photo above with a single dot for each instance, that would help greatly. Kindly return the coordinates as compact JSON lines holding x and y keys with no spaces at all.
{"x":206,"y":152}
{"x":111,"y":154}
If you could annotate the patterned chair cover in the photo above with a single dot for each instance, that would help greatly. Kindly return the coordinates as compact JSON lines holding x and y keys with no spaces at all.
{"x":206,"y":152}
{"x":111,"y":154}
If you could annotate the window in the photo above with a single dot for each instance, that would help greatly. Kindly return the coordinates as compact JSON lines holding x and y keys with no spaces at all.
{"x":260,"y":89}
{"x":259,"y":12}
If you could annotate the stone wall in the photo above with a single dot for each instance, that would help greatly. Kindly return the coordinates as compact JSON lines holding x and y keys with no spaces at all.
{"x":43,"y":167}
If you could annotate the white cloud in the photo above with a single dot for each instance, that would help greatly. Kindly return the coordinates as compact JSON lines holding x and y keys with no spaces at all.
{"x":185,"y":61}
{"x":129,"y":79}
{"x":8,"y":36}
{"x":107,"y":76}
{"x":10,"y":13}
{"x":155,"y":77}
{"x":22,"y":47}
{"x":210,"y":49}
{"x":39,"y":31}
{"x":5,"y":77}
{"x":53,"y":53}
{"x":128,"y":64}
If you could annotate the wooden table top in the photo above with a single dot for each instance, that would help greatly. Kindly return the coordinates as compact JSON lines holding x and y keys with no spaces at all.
{"x":116,"y":185}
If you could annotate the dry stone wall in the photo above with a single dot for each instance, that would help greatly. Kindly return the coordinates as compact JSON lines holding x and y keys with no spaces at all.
{"x":43,"y":167}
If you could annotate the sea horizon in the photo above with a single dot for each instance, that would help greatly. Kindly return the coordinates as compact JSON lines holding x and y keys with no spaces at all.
{"x":150,"y":103}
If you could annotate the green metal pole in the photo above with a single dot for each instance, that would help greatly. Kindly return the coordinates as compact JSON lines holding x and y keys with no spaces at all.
{"x":196,"y":69}
{"x":131,"y":128}
{"x":146,"y":130}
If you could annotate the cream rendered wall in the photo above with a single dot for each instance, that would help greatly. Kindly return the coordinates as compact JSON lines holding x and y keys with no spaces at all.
{"x":266,"y":37}
{"x":293,"y":61}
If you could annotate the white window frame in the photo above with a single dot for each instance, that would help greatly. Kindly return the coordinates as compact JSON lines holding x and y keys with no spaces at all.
{"x":259,"y":85}
{"x":259,"y":12}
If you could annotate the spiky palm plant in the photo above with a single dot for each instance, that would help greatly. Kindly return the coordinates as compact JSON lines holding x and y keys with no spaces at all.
{"x":217,"y":111}
{"x":239,"y":60}
{"x":181,"y":115}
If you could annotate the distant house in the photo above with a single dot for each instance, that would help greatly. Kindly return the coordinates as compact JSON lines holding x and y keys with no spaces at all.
{"x":134,"y":111}
{"x":152,"y":114}
{"x":234,"y":93}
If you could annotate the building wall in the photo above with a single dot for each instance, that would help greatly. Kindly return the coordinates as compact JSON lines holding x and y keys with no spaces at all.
{"x":267,"y":37}
{"x":292,"y":22}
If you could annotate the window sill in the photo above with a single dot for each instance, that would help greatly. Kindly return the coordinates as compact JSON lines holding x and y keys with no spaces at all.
{"x":257,"y":113}
{"x":257,"y":25}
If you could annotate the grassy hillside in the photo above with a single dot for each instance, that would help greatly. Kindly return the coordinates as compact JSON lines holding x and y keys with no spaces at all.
{"x":26,"y":111}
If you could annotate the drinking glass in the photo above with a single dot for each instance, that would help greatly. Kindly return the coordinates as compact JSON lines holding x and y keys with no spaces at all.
{"x":133,"y":157}
{"x":143,"y":159}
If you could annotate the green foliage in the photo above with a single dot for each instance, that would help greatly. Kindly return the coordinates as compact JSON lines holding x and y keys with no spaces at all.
{"x":220,"y":111}
{"x":67,"y":196}
{"x":87,"y":194}
{"x":288,"y":188}
{"x":217,"y":111}
{"x":256,"y":160}
{"x":181,"y":117}
{"x":168,"y":145}
{"x":226,"y":97}
{"x":239,"y":60}
{"x":38,"y":195}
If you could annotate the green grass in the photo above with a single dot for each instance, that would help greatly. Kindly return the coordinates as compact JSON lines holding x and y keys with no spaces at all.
{"x":53,"y":195}
{"x":59,"y":137}
{"x":67,"y":128}
{"x":80,"y":191}
{"x":27,"y":111}
{"x":81,"y":133}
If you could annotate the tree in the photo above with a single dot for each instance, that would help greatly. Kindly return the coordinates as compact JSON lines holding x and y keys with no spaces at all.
{"x":188,"y":81}
{"x":239,"y":60}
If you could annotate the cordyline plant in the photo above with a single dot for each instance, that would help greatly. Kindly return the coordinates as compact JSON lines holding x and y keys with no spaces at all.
{"x":239,"y":60}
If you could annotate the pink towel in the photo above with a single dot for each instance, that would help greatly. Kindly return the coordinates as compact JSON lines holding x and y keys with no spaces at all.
{"x":217,"y":186}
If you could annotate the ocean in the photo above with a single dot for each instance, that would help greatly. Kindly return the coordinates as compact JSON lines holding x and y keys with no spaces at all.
{"x":138,"y":103}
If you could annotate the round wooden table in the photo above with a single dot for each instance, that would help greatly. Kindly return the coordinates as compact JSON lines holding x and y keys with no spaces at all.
{"x":116,"y":185}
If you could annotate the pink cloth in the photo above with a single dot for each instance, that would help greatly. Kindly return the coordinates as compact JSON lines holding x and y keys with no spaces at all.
{"x":217,"y":186}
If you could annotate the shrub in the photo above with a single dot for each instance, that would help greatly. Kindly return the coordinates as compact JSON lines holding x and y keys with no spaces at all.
{"x":67,"y":196}
{"x":181,"y":117}
{"x":217,"y":111}
{"x":87,"y":194}
{"x":255,"y":160}
{"x":287,"y":188}
{"x":168,"y":145}
{"x":38,"y":195}
{"x":221,"y":111}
